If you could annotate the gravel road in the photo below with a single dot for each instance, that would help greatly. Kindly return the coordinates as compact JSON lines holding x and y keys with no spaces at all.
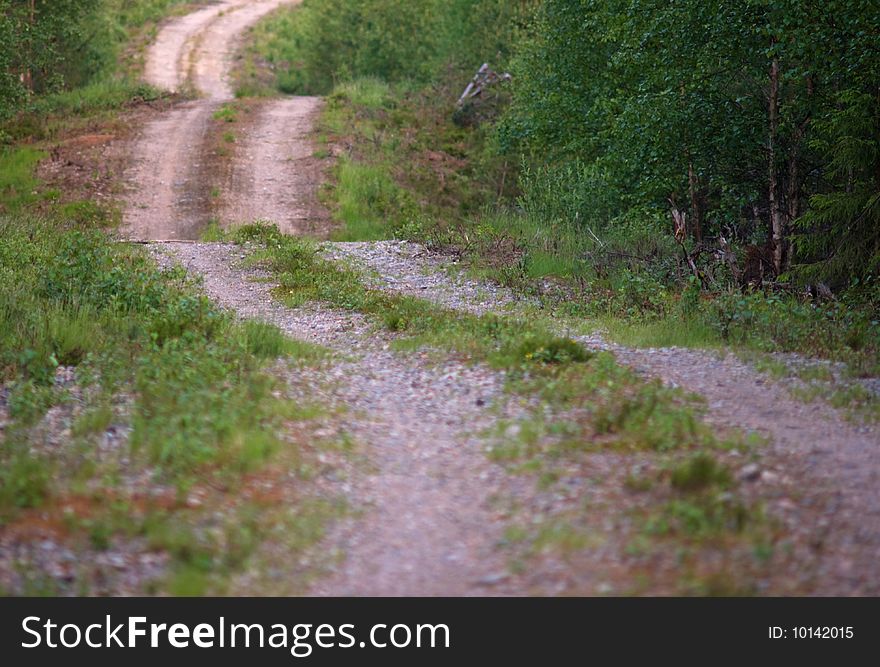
{"x":429,"y":524}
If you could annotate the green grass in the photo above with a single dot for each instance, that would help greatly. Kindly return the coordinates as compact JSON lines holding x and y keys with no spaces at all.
{"x":504,"y":343}
{"x":366,"y":197}
{"x":269,"y":48}
{"x":49,"y":117}
{"x":70,"y":298}
{"x":25,"y":480}
{"x":698,"y":473}
{"x":617,"y":405}
{"x":203,"y":408}
{"x":93,"y":421}
{"x":856,"y":401}
{"x":213,"y":232}
{"x":18,"y":186}
{"x":227,"y":114}
{"x":166,"y":387}
{"x":407,"y":173}
{"x":370,"y":93}
{"x":106,"y":94}
{"x":394,"y":183}
{"x":666,"y":332}
{"x":136,"y":13}
{"x":813,"y":382}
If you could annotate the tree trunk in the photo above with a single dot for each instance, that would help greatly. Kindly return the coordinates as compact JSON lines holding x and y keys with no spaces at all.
{"x":27,"y":77}
{"x":696,"y":204}
{"x":777,"y":222}
{"x":877,"y":133}
{"x":793,"y":200}
{"x":792,"y":196}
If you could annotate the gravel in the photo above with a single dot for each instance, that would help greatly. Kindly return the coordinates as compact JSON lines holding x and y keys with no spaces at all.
{"x":831,"y":464}
{"x":410,"y":268}
{"x":428,"y":527}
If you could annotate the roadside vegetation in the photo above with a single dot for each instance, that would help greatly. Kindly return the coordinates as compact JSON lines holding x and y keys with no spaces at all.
{"x":689,"y":205}
{"x":145,"y":433}
{"x":660,"y":192}
{"x":175,"y":425}
{"x":72,"y":58}
{"x":563,"y":183}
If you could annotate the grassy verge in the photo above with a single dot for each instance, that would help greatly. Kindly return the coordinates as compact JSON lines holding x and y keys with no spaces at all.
{"x":18,"y":185}
{"x":145,"y":433}
{"x":409,"y":171}
{"x":132,"y":403}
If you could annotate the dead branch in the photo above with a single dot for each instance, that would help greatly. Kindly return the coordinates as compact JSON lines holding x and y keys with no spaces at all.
{"x":482,"y":79}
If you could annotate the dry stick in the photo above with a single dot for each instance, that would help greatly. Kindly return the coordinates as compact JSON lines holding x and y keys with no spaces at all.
{"x":160,"y":241}
{"x":777,"y":230}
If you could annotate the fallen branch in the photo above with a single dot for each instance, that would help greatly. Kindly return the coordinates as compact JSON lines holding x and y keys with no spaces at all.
{"x":483,"y":78}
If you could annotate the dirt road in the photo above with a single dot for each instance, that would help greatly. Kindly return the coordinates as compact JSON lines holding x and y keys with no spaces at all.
{"x":430,"y":523}
{"x":170,"y":193}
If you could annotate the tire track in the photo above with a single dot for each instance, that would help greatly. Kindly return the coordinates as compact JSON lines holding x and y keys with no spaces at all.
{"x":275,"y":175}
{"x":169,"y":193}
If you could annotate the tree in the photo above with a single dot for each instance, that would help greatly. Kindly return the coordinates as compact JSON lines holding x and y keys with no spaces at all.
{"x":756,"y":120}
{"x":42,"y":45}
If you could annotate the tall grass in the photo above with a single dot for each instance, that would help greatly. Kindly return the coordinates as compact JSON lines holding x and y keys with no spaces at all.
{"x":17,"y":182}
{"x":366,"y":195}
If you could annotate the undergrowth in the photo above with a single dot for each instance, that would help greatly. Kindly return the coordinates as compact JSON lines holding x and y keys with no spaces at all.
{"x":85,"y":321}
{"x":413,"y":172}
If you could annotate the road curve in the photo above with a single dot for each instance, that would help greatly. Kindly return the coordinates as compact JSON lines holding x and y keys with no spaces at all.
{"x":169,"y":192}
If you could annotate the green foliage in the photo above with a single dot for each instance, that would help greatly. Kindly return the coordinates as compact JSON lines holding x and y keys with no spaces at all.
{"x":708,"y":518}
{"x":551,"y":350}
{"x":699,"y":472}
{"x":606,"y":134}
{"x":502,"y":342}
{"x":774,"y":323}
{"x":643,"y":418}
{"x":622,"y":107}
{"x":70,"y":298}
{"x":839,"y":237}
{"x":367,"y":92}
{"x":83,"y":315}
{"x":367,"y":197}
{"x":412,"y":173}
{"x":322,"y":42}
{"x":227,"y":114}
{"x":66,"y":46}
{"x":17,"y":182}
{"x":37,"y":47}
{"x":24,"y":479}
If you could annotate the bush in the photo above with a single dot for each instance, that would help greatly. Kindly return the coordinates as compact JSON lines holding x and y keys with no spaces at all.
{"x":698,"y":473}
{"x":70,"y":51}
{"x":323,"y":42}
{"x":551,"y":350}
